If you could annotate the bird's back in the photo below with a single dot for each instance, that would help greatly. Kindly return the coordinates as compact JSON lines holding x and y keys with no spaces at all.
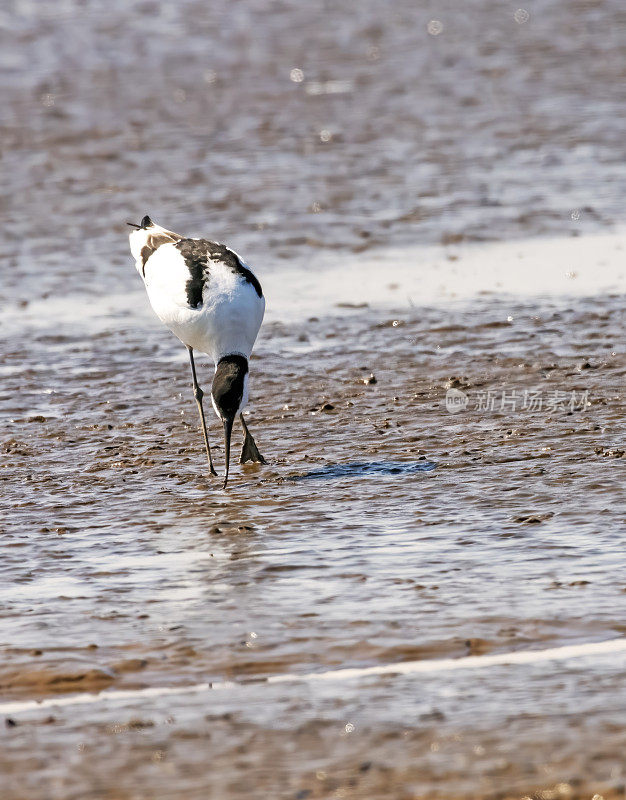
{"x":206,"y":295}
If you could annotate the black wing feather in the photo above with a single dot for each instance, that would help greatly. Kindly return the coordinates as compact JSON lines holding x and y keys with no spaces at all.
{"x":197,"y":254}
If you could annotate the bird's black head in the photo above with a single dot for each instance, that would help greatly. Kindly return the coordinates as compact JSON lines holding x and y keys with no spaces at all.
{"x":230,"y":394}
{"x":146,"y":222}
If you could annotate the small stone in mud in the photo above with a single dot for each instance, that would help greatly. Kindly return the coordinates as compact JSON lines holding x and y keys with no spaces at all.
{"x":327,"y":407}
{"x":610,"y":452}
{"x":10,"y":722}
{"x":454,"y":382}
{"x":370,"y":380}
{"x":532,"y":518}
{"x":14,"y":447}
{"x":37,"y":418}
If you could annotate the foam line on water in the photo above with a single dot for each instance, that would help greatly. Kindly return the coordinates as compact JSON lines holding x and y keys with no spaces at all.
{"x":468,"y":662}
{"x":519,"y":657}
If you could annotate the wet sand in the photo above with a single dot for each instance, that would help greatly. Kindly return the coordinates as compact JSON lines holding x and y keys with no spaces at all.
{"x":384,"y":529}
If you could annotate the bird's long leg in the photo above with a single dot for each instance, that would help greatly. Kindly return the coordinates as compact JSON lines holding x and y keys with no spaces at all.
{"x":199,"y":394}
{"x":249,"y":451}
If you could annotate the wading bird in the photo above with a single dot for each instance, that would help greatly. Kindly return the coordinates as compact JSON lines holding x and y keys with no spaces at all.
{"x":212,"y":301}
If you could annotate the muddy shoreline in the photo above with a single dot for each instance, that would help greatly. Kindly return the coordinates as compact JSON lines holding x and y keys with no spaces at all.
{"x":350,"y":158}
{"x":491,"y":550}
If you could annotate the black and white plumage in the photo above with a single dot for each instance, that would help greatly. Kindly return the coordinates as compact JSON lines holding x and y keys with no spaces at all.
{"x":212,"y":301}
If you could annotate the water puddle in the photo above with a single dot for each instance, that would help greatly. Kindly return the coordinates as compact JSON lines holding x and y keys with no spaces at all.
{"x":363,"y":469}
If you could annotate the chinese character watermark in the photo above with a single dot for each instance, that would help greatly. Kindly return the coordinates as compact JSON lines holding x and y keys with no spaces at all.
{"x":505,"y":400}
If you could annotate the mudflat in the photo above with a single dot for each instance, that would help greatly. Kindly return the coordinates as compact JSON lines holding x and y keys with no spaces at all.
{"x":443,"y":416}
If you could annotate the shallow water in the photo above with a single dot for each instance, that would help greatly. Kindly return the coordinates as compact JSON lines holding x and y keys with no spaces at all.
{"x":360,"y":470}
{"x":384,"y":528}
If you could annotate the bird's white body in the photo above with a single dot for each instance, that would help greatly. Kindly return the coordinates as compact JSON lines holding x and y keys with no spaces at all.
{"x":230,"y":314}
{"x":229,"y":318}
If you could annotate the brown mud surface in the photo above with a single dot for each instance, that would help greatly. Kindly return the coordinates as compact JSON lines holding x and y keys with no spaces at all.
{"x":384,"y":528}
